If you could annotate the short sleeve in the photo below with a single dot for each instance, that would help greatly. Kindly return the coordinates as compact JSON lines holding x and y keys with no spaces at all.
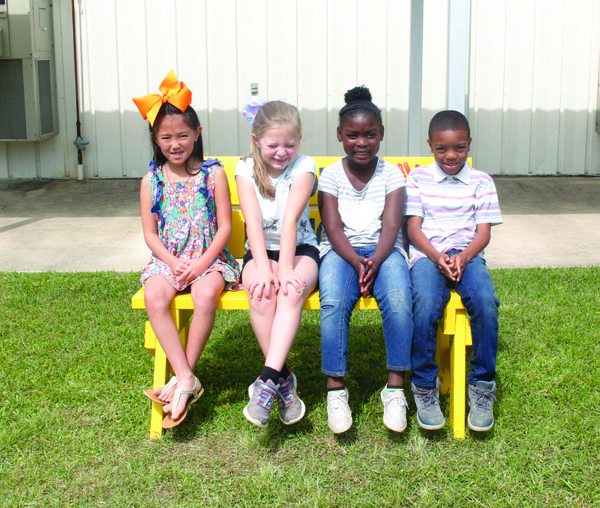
{"x":244,"y":169}
{"x":488,"y":208}
{"x":304,"y":164}
{"x":395,"y":178}
{"x":414,"y":205}
{"x":328,"y":182}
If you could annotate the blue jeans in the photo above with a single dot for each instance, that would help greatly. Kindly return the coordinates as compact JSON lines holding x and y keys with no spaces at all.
{"x":339,"y":291}
{"x":431,"y":292}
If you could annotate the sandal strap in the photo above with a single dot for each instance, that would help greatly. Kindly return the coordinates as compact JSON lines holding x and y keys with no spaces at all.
{"x":195,"y":392}
{"x":171,"y":384}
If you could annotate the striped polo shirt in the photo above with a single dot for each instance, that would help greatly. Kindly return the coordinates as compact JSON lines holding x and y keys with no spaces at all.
{"x":451,"y":206}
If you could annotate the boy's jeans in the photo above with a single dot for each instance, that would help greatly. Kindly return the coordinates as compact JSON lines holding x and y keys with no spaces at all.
{"x":339,"y":292}
{"x":431,"y":292}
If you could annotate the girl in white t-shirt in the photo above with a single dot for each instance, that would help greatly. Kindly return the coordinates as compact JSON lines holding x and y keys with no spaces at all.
{"x":361,"y":200}
{"x":281,"y":263}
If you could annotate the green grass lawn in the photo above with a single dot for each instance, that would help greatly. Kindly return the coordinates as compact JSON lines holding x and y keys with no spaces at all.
{"x":74,"y":423}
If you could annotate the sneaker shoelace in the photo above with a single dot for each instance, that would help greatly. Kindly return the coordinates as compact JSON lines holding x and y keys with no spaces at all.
{"x":338,"y":402}
{"x":428,"y":398}
{"x":265,"y":397}
{"x":484,"y":399}
{"x":285,"y":392}
{"x":395,"y":400}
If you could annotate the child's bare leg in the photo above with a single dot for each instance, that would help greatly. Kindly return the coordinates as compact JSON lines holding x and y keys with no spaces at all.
{"x":261,"y":312}
{"x":288,"y":314}
{"x":335,"y":383}
{"x":158,"y":294}
{"x":205,"y":295}
{"x":395,"y":378}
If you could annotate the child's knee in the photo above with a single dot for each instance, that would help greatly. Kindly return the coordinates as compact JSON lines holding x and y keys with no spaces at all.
{"x":205,"y":300}
{"x":264,"y":305}
{"x":399,"y":299}
{"x":293,"y":298}
{"x":155,"y":301}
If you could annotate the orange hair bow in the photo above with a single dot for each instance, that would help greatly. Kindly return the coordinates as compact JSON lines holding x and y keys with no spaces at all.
{"x":173,"y":92}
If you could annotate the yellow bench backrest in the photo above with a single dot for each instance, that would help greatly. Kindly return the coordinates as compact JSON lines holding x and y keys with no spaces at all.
{"x":238,"y":235}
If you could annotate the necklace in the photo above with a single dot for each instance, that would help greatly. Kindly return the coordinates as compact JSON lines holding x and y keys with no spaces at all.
{"x":179,"y":187}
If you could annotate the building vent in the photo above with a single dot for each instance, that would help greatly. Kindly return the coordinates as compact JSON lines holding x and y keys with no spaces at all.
{"x":28,"y":110}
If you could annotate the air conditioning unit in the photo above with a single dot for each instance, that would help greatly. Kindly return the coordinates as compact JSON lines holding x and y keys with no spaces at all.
{"x":28,"y":110}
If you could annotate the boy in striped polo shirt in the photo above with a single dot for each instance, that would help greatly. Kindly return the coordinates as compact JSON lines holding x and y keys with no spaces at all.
{"x":451,"y":208}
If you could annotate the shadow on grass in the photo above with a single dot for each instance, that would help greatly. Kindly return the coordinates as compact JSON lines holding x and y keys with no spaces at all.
{"x":232,"y":360}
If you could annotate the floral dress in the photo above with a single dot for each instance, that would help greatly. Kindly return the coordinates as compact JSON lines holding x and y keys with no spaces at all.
{"x":186,"y":215}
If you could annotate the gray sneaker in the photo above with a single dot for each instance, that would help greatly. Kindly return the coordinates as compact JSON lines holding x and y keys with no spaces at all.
{"x":291,"y":407}
{"x":258,"y":410}
{"x":481,"y":400}
{"x":427,"y":400}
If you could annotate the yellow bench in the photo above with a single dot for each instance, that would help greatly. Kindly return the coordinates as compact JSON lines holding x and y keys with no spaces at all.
{"x":454,"y":332}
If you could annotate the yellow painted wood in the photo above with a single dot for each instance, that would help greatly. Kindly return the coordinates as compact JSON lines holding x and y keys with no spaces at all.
{"x":454,"y":345}
{"x":454,"y":332}
{"x":458,"y":376}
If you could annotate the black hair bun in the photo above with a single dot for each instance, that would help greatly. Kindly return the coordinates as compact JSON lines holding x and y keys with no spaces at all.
{"x":358,"y":93}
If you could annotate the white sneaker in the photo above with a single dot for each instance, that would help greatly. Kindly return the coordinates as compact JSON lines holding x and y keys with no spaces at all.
{"x":394,"y":409}
{"x":339,"y":416}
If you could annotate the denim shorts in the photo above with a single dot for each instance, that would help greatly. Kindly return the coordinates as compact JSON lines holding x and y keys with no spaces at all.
{"x":303,"y":249}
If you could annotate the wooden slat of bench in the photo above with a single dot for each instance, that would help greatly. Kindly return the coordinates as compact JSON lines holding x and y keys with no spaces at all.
{"x":236,"y":300}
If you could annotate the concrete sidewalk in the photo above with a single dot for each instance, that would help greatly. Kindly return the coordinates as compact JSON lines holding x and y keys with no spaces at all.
{"x":95,"y":225}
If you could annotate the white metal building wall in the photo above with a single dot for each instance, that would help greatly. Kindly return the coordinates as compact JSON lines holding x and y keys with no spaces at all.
{"x":307,"y":51}
{"x":532,"y":95}
{"x":534,"y":86}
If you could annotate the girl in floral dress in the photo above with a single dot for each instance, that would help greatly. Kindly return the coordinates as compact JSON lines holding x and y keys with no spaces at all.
{"x":186,"y":219}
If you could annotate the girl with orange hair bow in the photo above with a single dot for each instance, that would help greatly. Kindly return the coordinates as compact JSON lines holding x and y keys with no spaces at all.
{"x":186,"y":219}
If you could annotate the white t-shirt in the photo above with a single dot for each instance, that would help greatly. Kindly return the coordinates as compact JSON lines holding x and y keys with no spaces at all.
{"x":361,"y":211}
{"x":272,"y":209}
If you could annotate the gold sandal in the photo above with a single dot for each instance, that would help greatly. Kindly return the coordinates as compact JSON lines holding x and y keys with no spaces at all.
{"x":196,"y":392}
{"x":149,"y":392}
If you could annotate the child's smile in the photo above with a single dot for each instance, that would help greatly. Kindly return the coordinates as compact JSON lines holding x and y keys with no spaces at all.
{"x":176,"y":140}
{"x":450,"y":149}
{"x":361,"y":136}
{"x":278,"y":147}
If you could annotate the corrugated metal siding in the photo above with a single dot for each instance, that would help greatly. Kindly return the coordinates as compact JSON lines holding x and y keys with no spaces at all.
{"x":534,"y":72}
{"x":309,"y":52}
{"x":533,"y":77}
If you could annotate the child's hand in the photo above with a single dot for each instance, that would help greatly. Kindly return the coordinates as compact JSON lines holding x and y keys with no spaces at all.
{"x":192,"y":271}
{"x":458,"y":262}
{"x":291,"y":277}
{"x":372,"y":267}
{"x":361,"y":267}
{"x":447,"y":266}
{"x":264,"y":284}
{"x":179,"y":266}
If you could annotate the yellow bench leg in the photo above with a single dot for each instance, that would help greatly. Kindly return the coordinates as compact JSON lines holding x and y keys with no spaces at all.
{"x":162,"y":368}
{"x":453,"y":339}
{"x":442,"y":358}
{"x":458,"y":375}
